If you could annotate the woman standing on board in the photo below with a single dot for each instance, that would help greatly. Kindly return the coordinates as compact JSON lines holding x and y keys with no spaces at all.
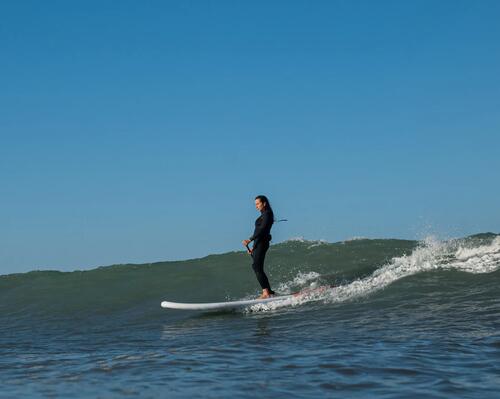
{"x":261,"y":237}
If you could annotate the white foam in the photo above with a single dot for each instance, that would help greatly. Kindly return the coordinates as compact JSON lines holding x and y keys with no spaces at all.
{"x":298,"y":281}
{"x":295,"y":239}
{"x":317,"y":244}
{"x":314,"y":243}
{"x":310,"y":280}
{"x":482,"y":259}
{"x":430,"y":255}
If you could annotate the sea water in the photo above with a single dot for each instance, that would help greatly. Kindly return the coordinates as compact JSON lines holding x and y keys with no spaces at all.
{"x":395,"y":319}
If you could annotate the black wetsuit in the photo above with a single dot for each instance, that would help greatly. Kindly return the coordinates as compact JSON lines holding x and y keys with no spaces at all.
{"x":261,"y":237}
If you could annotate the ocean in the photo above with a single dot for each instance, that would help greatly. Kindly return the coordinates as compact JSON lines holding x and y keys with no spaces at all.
{"x":397,"y":319}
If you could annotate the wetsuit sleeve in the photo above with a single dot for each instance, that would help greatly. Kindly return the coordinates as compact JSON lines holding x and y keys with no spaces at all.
{"x":265,"y":226}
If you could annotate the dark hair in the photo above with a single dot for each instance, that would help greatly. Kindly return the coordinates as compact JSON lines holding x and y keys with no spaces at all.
{"x":263,"y":198}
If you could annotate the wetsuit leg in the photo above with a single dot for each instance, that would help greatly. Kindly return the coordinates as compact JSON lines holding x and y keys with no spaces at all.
{"x":259,"y":253}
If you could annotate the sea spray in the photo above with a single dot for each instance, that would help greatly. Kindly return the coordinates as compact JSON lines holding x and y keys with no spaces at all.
{"x":431,"y":254}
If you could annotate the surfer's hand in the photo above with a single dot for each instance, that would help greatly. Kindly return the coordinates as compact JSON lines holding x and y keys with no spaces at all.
{"x":245,"y":242}
{"x":249,"y":251}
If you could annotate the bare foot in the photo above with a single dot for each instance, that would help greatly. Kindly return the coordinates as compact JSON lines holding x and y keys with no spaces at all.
{"x":266,"y":294}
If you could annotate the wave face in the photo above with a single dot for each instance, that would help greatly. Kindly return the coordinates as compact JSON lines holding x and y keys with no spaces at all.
{"x":352,"y":270}
{"x":389,"y":318}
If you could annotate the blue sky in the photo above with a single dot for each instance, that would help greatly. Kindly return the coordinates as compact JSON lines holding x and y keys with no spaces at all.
{"x":142,"y":131}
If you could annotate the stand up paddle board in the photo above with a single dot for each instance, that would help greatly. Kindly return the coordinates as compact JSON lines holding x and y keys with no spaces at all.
{"x":222,"y":305}
{"x":237,"y":304}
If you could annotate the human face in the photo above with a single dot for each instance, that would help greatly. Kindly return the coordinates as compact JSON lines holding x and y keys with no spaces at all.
{"x":259,"y":205}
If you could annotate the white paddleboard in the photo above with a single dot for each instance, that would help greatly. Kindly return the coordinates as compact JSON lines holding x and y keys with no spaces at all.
{"x":240,"y":304}
{"x":223,"y":305}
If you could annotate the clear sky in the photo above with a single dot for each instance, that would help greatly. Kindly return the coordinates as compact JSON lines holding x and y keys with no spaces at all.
{"x":140,"y":131}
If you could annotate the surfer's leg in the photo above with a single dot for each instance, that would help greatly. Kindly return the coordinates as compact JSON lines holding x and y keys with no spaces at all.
{"x":259,"y":253}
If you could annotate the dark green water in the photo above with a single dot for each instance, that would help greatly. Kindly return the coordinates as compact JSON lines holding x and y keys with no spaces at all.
{"x":403,"y":319}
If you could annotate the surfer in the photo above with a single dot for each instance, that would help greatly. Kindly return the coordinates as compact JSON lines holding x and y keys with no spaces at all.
{"x":261,"y":238}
